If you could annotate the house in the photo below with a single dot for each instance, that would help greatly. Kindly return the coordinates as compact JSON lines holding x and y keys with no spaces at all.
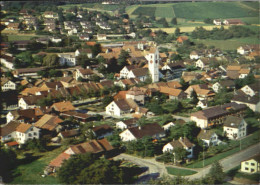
{"x":202,"y":104}
{"x":233,"y":22}
{"x":244,"y":50}
{"x":7,"y":61}
{"x":84,"y":36}
{"x":7,"y":84}
{"x":181,"y":39}
{"x":180,"y":143}
{"x":50,"y":14}
{"x":63,"y":106}
{"x":229,"y":84}
{"x":251,"y":165}
{"x":217,"y":22}
{"x":49,"y":123}
{"x":55,"y":39}
{"x":253,"y":102}
{"x":102,"y":131}
{"x":127,"y":82}
{"x":216,"y":115}
{"x":237,"y":71}
{"x":167,"y":126}
{"x":29,"y":102}
{"x":22,"y":45}
{"x":69,"y":133}
{"x":209,"y":138}
{"x":83,"y":117}
{"x":203,"y":63}
{"x":153,"y":130}
{"x":129,"y":123}
{"x":27,"y":72}
{"x":83,"y":73}
{"x":194,"y":55}
{"x":67,"y":59}
{"x":176,"y":69}
{"x":140,"y":73}
{"x":126,"y":70}
{"x":119,"y":107}
{"x":174,"y":94}
{"x":136,"y":94}
{"x":13,"y":26}
{"x":101,"y":37}
{"x":87,"y":52}
{"x":235,"y":127}
{"x":202,"y":90}
{"x":252,"y":89}
{"x":20,"y":132}
{"x":97,"y":147}
{"x":24,"y":115}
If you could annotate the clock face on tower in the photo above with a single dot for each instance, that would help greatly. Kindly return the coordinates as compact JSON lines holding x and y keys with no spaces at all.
{"x":151,"y":61}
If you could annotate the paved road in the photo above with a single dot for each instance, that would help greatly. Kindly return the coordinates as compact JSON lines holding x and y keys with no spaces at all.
{"x":155,"y":167}
{"x":187,"y":119}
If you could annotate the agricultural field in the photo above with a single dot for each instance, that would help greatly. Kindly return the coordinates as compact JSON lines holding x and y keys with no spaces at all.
{"x":202,"y":10}
{"x":148,"y":11}
{"x":166,"y":12}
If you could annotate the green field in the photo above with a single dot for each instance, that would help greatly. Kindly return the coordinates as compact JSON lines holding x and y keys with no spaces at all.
{"x":178,"y":171}
{"x":202,"y":10}
{"x":147,"y":11}
{"x":20,"y":37}
{"x":30,"y":172}
{"x":230,"y":44}
{"x":166,"y":12}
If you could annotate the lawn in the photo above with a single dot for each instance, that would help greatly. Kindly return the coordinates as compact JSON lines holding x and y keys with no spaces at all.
{"x":147,"y":11}
{"x":245,"y":143}
{"x":230,"y":44}
{"x":30,"y":172}
{"x":178,"y":171}
{"x":203,"y":10}
{"x":20,"y":37}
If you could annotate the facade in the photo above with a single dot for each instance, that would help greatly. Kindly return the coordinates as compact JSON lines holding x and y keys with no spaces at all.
{"x":153,"y":59}
{"x":235,"y":127}
{"x":251,"y":165}
{"x":67,"y":59}
{"x":7,"y":84}
{"x":209,"y":138}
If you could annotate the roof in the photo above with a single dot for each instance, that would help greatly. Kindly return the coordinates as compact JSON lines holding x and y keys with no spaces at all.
{"x":255,"y":86}
{"x":147,"y":130}
{"x":75,"y":114}
{"x":246,"y":99}
{"x":234,"y":68}
{"x":205,"y":134}
{"x":105,"y":144}
{"x":182,"y":142}
{"x":139,"y":72}
{"x":135,"y":91}
{"x":9,"y":128}
{"x":23,"y":127}
{"x":12,"y":143}
{"x":232,"y":121}
{"x":120,"y":95}
{"x":69,"y":133}
{"x":57,"y":162}
{"x":48,"y":122}
{"x":102,"y":129}
{"x":4,"y":81}
{"x":32,"y":100}
{"x":170,"y":91}
{"x":220,"y":110}
{"x":130,"y":121}
{"x":86,"y":71}
{"x":63,"y":106}
{"x":227,"y":83}
{"x":91,"y":146}
{"x":29,"y":70}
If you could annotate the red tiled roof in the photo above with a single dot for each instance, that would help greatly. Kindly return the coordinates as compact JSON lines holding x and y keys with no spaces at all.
{"x":57,"y":162}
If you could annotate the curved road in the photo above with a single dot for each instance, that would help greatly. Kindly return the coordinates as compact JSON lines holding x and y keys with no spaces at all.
{"x":227,"y":163}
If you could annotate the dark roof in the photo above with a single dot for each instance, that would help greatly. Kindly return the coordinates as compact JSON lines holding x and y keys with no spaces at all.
{"x":147,"y":130}
{"x":53,"y":85}
{"x":227,"y":83}
{"x":182,"y":142}
{"x":255,"y":157}
{"x":233,"y":121}
{"x":130,"y":121}
{"x":205,"y":134}
{"x":246,"y":98}
{"x":140,"y":72}
{"x":29,"y":70}
{"x":220,"y":110}
{"x":75,"y":114}
{"x":32,"y":100}
{"x":255,"y":86}
{"x":70,"y":133}
{"x":102,"y":129}
{"x":9,"y":128}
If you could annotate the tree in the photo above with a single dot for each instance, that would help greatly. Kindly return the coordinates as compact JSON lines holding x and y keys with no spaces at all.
{"x":208,"y":21}
{"x":51,"y":60}
{"x":171,"y":106}
{"x":83,"y":60}
{"x":177,"y":32}
{"x":124,"y":55}
{"x":12,"y":48}
{"x":194,"y":97}
{"x":179,"y":154}
{"x":216,"y":174}
{"x":8,"y":162}
{"x":96,"y":49}
{"x":107,"y":100}
{"x":174,"y":21}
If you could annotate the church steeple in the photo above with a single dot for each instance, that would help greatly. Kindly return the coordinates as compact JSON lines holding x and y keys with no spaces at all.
{"x":153,"y":64}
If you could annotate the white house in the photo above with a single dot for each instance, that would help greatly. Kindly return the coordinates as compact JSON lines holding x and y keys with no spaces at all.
{"x":29,"y":102}
{"x":101,"y":37}
{"x":7,"y":61}
{"x":229,"y":84}
{"x":194,"y":55}
{"x":119,"y":107}
{"x":202,"y":104}
{"x":168,"y":126}
{"x":153,"y":130}
{"x":7,"y":84}
{"x":67,"y":59}
{"x":202,"y":63}
{"x":136,"y":94}
{"x":217,"y":22}
{"x":124,"y":124}
{"x":140,"y":73}
{"x":235,"y":127}
{"x":20,"y":132}
{"x":251,"y":165}
{"x":252,"y":89}
{"x":83,"y":73}
{"x":126,"y":70}
{"x":56,"y":39}
{"x":209,"y":137}
{"x":87,"y":52}
{"x":182,"y":143}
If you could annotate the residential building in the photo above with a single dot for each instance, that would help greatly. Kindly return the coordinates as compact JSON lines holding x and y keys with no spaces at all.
{"x":153,"y":130}
{"x":129,"y":123}
{"x":63,"y":106}
{"x":233,"y":22}
{"x":83,"y":73}
{"x":102,"y":131}
{"x":29,"y":102}
{"x":235,"y":127}
{"x":87,"y":52}
{"x":251,"y":165}
{"x":180,"y":143}
{"x":120,"y":107}
{"x":67,"y":59}
{"x":49,"y":123}
{"x":7,"y":84}
{"x":209,"y":138}
{"x":229,"y":84}
{"x":252,"y":102}
{"x":216,"y":115}
{"x":217,"y":22}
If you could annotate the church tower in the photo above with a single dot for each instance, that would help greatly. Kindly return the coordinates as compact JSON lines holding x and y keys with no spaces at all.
{"x":153,"y":64}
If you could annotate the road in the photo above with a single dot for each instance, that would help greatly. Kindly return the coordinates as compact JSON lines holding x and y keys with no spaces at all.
{"x":155,"y":167}
{"x":187,"y":119}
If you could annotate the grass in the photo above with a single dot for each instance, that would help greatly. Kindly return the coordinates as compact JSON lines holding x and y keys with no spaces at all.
{"x":30,"y":173}
{"x":148,"y":11}
{"x":19,"y":37}
{"x":178,"y":171}
{"x":235,"y":172}
{"x":230,"y":44}
{"x":245,"y":143}
{"x":203,"y":10}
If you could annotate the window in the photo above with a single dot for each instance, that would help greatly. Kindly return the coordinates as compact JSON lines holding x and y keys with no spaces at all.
{"x":30,"y":135}
{"x":35,"y":134}
{"x":252,"y":164}
{"x":252,"y":170}
{"x":247,"y":163}
{"x":246,"y":168}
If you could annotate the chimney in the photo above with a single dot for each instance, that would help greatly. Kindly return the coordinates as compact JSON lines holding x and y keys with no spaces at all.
{"x":140,"y":128}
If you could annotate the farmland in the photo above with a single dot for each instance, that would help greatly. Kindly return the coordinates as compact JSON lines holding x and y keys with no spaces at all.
{"x":148,"y":11}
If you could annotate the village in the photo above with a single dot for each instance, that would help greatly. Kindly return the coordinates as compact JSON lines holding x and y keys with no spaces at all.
{"x":110,"y":92}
